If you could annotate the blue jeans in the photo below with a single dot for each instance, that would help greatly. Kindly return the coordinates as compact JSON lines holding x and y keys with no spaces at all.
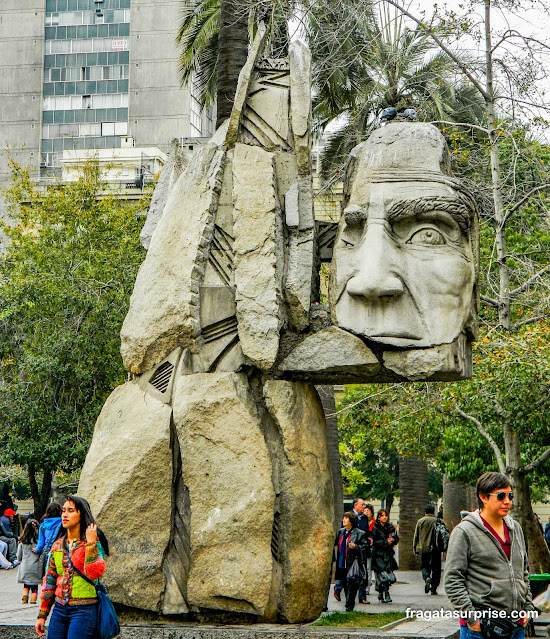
{"x":466,"y":633}
{"x":73,"y":622}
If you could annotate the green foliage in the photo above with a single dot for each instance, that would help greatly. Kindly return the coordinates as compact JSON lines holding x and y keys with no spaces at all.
{"x":65,"y":282}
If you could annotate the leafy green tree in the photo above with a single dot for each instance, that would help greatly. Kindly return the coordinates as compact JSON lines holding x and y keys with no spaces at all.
{"x":65,"y":283}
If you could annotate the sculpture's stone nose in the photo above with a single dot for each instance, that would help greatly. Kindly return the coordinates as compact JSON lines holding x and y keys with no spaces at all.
{"x":377,"y":271}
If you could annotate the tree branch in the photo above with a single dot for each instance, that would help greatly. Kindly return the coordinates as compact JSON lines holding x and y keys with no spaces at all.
{"x":467,"y":124}
{"x":443,"y":47}
{"x":540,"y":460}
{"x":484,"y":433}
{"x":527,"y":284}
{"x":490,"y":301}
{"x":524,"y":199}
{"x":531,"y":320}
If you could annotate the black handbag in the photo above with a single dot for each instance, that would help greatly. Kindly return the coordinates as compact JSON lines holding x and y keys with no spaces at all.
{"x":497,"y":627}
{"x":107,"y":620}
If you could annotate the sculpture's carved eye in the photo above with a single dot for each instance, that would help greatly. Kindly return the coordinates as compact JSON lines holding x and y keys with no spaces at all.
{"x":428,"y":237}
{"x":347,"y":243}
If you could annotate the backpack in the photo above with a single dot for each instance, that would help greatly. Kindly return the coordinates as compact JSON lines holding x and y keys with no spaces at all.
{"x":440,"y":536}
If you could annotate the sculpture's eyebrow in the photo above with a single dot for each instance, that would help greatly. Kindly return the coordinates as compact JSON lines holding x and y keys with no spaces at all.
{"x":454,"y":206}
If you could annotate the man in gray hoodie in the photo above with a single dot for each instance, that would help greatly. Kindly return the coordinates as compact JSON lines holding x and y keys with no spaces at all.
{"x":486,"y":568}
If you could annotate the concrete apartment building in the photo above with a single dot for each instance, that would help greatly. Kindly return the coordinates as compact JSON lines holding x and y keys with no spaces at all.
{"x":79,"y":75}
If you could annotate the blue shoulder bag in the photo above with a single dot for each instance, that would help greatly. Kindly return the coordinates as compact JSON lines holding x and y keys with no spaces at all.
{"x":107,"y":621}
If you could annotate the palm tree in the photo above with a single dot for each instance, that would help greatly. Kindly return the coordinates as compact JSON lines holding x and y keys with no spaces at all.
{"x":213,"y":39}
{"x":413,"y":497}
{"x":381,"y":62}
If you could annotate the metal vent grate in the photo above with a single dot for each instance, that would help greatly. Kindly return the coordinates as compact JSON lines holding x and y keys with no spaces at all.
{"x":161,"y":378}
{"x":275,"y":533}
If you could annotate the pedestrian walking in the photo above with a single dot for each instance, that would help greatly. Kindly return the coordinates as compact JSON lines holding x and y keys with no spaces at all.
{"x":50,"y":529}
{"x":423,"y":545}
{"x":351,"y":544}
{"x":74,"y":600}
{"x":30,"y":569}
{"x":358,"y":508}
{"x":368,"y":514}
{"x":486,"y":572}
{"x":384,"y":540}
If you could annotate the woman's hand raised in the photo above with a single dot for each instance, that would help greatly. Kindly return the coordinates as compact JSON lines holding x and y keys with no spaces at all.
{"x":91,"y":534}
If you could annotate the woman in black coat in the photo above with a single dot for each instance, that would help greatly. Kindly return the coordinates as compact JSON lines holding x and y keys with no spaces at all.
{"x":385,"y":539}
{"x":351,"y":544}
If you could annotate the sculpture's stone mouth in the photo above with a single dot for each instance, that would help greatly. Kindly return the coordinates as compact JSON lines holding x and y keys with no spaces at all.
{"x":394,"y":335}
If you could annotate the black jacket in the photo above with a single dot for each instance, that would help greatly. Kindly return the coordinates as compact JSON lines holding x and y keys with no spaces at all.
{"x":360,"y":539}
{"x":382,"y":552}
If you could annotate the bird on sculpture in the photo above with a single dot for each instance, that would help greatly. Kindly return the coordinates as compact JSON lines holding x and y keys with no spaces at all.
{"x":388,"y":114}
{"x":409,"y":114}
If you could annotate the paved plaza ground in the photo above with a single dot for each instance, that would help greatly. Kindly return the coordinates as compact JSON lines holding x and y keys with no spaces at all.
{"x":408,"y":592}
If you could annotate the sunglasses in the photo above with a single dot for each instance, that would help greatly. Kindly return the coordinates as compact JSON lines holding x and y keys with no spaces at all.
{"x":502,"y":494}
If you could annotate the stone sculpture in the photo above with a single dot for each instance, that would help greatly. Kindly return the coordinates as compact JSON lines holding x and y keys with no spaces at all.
{"x":209,"y":469}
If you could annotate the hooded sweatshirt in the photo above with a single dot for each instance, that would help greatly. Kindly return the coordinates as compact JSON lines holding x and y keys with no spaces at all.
{"x":478,"y":576}
{"x":47,"y":534}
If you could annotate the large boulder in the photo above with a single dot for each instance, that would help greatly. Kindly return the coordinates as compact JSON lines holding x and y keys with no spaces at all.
{"x":127,"y":478}
{"x":306,"y":501}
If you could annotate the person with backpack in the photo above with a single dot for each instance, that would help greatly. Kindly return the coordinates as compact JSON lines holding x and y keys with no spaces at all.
{"x":424,"y":544}
{"x":50,"y":526}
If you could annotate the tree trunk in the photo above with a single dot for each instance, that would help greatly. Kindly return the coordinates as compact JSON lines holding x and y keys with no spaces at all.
{"x":471,"y":498}
{"x":455,"y":499}
{"x":537,"y":550}
{"x":326,"y":393}
{"x":389,"y":502}
{"x":522,"y":510}
{"x":500,"y":227}
{"x":35,"y":493}
{"x":232,"y":54}
{"x":44,"y":497}
{"x":413,"y":497}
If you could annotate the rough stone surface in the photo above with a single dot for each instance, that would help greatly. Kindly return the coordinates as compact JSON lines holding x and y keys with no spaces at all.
{"x":242,"y":88}
{"x":331,"y":350}
{"x":227,"y":470}
{"x":130,"y":463}
{"x":447,"y":362}
{"x":258,"y":250}
{"x":164,"y":307}
{"x":300,"y":103}
{"x":171,"y":171}
{"x":292,"y":213}
{"x":307,"y":534}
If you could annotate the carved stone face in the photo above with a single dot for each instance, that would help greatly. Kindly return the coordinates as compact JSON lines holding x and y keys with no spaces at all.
{"x":403,"y":268}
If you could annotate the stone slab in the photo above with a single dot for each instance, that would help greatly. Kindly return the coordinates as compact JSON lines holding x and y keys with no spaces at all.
{"x":227,"y":470}
{"x":330,"y":353}
{"x":164,"y":306}
{"x":258,"y":250}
